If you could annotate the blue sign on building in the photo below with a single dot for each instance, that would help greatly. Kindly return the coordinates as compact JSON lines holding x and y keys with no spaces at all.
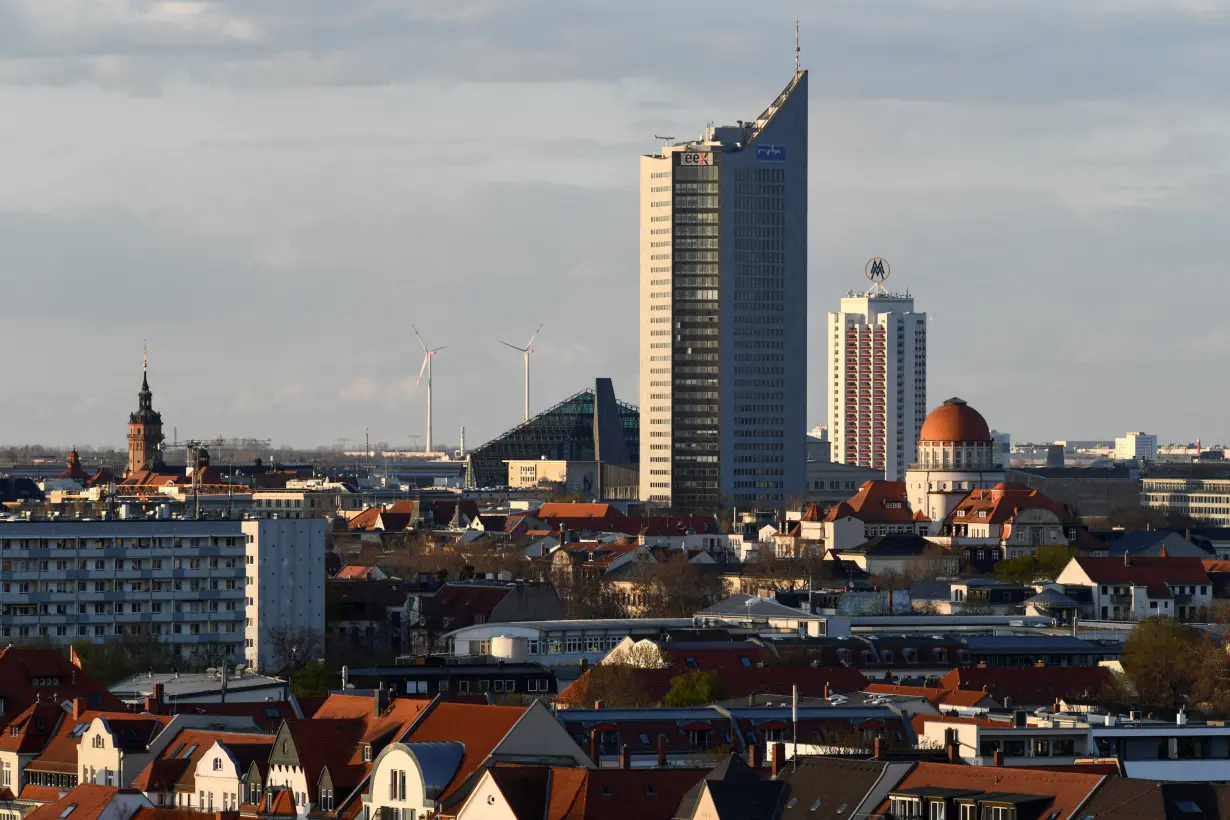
{"x":770,"y":153}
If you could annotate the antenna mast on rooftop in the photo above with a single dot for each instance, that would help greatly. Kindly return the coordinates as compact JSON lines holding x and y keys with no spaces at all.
{"x":796,"y":46}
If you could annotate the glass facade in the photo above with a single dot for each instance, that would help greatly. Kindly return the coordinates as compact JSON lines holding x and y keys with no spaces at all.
{"x":696,"y":354}
{"x":566,"y":431}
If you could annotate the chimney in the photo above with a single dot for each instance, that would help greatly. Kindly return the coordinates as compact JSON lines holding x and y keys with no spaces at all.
{"x":954,"y":752}
{"x":1007,"y":702}
{"x":1127,"y":558}
{"x":890,"y":600}
{"x":593,"y":747}
{"x":78,"y":708}
{"x":753,"y":755}
{"x":625,"y":757}
{"x":597,"y":704}
{"x":828,"y":690}
{"x":381,"y":700}
{"x":998,"y":758}
{"x":779,"y":757}
{"x":661,"y":752}
{"x":879,"y":748}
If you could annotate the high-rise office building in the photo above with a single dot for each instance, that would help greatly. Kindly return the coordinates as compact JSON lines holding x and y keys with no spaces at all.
{"x":877,"y":383}
{"x":723,"y":381}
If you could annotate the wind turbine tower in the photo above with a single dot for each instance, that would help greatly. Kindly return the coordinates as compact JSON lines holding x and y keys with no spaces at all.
{"x":525,"y":352}
{"x":428,"y":355}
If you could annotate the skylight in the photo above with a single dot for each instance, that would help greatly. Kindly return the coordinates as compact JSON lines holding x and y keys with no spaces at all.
{"x":68,"y":810}
{"x":79,"y":729}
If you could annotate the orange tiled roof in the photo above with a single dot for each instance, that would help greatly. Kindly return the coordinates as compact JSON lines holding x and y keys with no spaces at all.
{"x":877,"y":502}
{"x":1066,"y":790}
{"x":1003,"y":502}
{"x":89,"y":800}
{"x":479,"y":728}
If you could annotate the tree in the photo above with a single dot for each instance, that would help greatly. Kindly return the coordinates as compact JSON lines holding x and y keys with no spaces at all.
{"x":1161,"y":661}
{"x":678,"y":589}
{"x":312,"y":680}
{"x":295,"y":647}
{"x":615,"y":684}
{"x":694,"y":688}
{"x":1047,"y":562}
{"x":641,"y":654}
{"x":114,"y":661}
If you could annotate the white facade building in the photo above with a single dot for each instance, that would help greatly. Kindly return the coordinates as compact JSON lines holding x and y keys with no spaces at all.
{"x":877,"y":385}
{"x":197,"y":585}
{"x":1138,"y":446}
{"x":1205,"y":500}
{"x":723,"y":319}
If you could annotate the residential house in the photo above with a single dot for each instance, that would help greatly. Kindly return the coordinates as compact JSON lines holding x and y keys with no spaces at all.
{"x":1008,"y":521}
{"x":563,"y":793}
{"x":1030,"y":687}
{"x":901,"y":554}
{"x":1130,"y":589}
{"x":942,"y":790}
{"x":878,"y":508}
{"x":437,"y":764}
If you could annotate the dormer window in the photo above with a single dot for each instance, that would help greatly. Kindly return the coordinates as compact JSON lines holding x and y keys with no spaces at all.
{"x":960,"y":513}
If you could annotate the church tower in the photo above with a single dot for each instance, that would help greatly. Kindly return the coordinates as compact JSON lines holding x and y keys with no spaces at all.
{"x":144,"y":430}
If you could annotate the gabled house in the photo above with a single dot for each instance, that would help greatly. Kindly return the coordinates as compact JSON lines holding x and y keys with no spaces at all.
{"x":1009,"y":521}
{"x":436,"y":765}
{"x":878,"y":508}
{"x":1130,"y":588}
{"x":200,"y":770}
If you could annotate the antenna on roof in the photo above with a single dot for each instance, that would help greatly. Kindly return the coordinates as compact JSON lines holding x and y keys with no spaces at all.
{"x":796,"y":46}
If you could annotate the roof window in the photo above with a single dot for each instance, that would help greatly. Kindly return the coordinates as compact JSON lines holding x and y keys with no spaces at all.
{"x":68,"y":810}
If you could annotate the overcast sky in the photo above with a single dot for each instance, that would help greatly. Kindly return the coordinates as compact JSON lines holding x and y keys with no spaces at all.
{"x":271,"y":191}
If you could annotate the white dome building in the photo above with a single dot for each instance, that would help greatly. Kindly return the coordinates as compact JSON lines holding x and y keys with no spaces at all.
{"x":955,"y":456}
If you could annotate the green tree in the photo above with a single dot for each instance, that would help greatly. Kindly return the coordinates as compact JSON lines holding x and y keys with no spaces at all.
{"x":313,"y":680}
{"x":695,"y":688}
{"x":1047,"y":562}
{"x":1162,"y":663}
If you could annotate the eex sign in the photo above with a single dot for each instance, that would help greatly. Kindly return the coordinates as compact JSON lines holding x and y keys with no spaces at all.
{"x":770,"y":153}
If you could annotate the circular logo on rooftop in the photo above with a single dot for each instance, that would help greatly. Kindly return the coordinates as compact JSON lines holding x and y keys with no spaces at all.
{"x":877,"y":269}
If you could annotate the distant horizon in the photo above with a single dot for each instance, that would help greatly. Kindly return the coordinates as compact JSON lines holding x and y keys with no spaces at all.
{"x":270,"y":194}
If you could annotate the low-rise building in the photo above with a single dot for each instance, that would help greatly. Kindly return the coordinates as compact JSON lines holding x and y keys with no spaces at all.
{"x":1130,"y":589}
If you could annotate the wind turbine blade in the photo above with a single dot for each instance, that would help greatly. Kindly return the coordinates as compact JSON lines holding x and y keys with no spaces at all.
{"x":438,"y":349}
{"x":422,"y":344}
{"x":532,"y":338}
{"x":514,"y":347}
{"x":422,"y":370}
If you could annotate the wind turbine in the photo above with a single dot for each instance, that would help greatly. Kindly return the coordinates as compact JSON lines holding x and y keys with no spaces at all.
{"x":428,"y":355}
{"x":526,"y":351}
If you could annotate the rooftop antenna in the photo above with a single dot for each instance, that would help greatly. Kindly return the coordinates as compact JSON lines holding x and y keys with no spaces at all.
{"x":796,"y":46}
{"x":428,"y":355}
{"x":525,"y":352}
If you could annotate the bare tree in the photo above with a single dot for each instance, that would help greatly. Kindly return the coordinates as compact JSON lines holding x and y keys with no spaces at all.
{"x":296,"y":647}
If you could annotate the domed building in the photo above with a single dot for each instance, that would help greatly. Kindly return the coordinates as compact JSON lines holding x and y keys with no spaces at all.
{"x":955,"y":456}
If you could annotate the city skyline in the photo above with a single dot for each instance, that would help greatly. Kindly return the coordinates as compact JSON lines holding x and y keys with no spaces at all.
{"x":264,"y":205}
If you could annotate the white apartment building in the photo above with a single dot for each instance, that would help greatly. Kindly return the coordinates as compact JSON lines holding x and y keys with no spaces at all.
{"x":198,"y":585}
{"x":877,"y":381}
{"x":723,"y":319}
{"x":1139,"y":446}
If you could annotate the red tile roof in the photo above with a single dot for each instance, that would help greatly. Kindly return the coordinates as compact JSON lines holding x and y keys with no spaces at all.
{"x":1066,"y":790}
{"x":89,"y":800}
{"x":1031,"y":685}
{"x":1002,"y":502}
{"x":478,"y":728}
{"x":354,"y":572}
{"x":876,"y":502}
{"x":34,"y":728}
{"x":175,"y":766}
{"x":20,"y":667}
{"x":737,"y":681}
{"x":618,"y":794}
{"x":1153,"y":573}
{"x":60,"y":753}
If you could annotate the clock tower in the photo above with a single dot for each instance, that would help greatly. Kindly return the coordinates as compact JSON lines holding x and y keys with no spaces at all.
{"x":144,"y":430}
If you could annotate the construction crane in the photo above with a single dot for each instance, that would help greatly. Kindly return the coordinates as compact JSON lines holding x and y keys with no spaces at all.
{"x":193,"y":448}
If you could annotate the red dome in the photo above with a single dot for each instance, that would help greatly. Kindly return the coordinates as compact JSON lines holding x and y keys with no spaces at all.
{"x":954,"y":420}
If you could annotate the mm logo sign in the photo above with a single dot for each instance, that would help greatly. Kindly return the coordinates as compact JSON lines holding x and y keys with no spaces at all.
{"x":695,"y":158}
{"x":877,"y":269}
{"x":770,"y":153}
